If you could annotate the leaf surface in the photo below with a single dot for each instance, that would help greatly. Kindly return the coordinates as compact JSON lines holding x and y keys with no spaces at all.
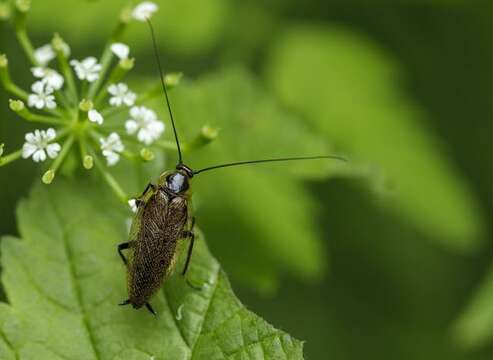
{"x":63,"y":279}
{"x":347,"y":87}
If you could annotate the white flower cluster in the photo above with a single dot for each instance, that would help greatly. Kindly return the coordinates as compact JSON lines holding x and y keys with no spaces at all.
{"x":84,"y":102}
{"x":143,"y":123}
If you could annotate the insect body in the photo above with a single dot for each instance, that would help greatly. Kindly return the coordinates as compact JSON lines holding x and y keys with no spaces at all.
{"x":164,"y":218}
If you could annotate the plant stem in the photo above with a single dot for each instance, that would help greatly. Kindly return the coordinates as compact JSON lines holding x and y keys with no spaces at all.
{"x":63,"y":153}
{"x":4,"y":160}
{"x":9,"y":85}
{"x":22,"y":36}
{"x":69,"y":76}
{"x":29,"y":116}
{"x":116,"y":76}
{"x":105,"y":60}
{"x":111,"y":181}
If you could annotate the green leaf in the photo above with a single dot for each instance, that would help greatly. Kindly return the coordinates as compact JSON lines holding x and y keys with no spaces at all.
{"x":63,"y":279}
{"x":252,"y":125}
{"x":474,"y":327}
{"x":347,"y":87}
{"x":261,"y":215}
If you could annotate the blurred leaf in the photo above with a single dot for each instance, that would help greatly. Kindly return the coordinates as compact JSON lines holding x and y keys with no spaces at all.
{"x":261,"y":217}
{"x":346,"y":86}
{"x":186,"y":26}
{"x":251,"y":125}
{"x":475,"y":325}
{"x":63,"y":279}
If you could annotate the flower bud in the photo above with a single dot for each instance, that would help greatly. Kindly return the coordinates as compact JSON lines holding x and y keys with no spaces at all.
{"x":16,"y":105}
{"x":59,"y":45}
{"x":126,"y":15}
{"x":88,"y":162}
{"x":209,"y":132}
{"x":4,"y":62}
{"x":127,"y":64}
{"x":23,"y":5}
{"x":5,"y":11}
{"x":1,"y":149}
{"x":86,"y":105}
{"x":172,"y":79}
{"x":146,"y":154}
{"x":48,"y":177}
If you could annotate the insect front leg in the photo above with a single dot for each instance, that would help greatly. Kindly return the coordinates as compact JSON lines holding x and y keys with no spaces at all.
{"x":124,"y":246}
{"x":189,"y":234}
{"x":139,"y":200}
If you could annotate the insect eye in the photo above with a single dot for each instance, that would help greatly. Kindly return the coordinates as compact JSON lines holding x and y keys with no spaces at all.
{"x":177,"y":182}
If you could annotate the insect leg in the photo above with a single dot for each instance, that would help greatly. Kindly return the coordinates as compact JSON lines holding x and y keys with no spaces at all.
{"x":124,"y":246}
{"x":149,"y":307}
{"x":138,"y":199}
{"x":124,"y":302}
{"x":149,"y":186}
{"x":189,"y":234}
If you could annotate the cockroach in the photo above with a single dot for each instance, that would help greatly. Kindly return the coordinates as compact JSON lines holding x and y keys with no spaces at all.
{"x":164,"y":218}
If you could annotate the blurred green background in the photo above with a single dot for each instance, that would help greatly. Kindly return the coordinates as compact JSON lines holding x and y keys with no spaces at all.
{"x":386,"y":258}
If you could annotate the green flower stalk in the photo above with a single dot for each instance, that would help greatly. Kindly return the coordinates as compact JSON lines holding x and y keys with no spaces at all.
{"x":80,"y":100}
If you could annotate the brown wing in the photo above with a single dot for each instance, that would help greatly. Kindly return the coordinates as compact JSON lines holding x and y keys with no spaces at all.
{"x":161,"y":225}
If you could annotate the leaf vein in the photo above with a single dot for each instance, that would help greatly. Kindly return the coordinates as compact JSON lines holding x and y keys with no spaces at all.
{"x":74,"y":283}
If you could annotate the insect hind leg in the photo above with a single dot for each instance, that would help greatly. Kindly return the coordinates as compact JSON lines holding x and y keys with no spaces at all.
{"x":189,"y":234}
{"x":151,"y":310}
{"x":124,"y":302}
{"x":124,"y":246}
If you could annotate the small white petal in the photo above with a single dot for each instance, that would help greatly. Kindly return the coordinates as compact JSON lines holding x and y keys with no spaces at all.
{"x":38,"y":102}
{"x":144,"y":10}
{"x":129,"y":98}
{"x":87,"y":69}
{"x":39,"y":155}
{"x":44,"y":54}
{"x":110,"y":147}
{"x":121,"y":95}
{"x":50,"y":134}
{"x":95,"y":117}
{"x":31,"y":100}
{"x":120,"y":50}
{"x":131,"y":126}
{"x":113,"y":89}
{"x":50,"y":102}
{"x":38,"y":71}
{"x":38,"y":87}
{"x":89,"y":61}
{"x":28,"y":150}
{"x":135,"y":111}
{"x":112,"y":158}
{"x":30,"y":138}
{"x":53,"y":149}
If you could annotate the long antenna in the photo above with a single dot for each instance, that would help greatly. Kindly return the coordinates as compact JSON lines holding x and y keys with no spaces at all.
{"x":158,"y":60}
{"x":269,"y":160}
